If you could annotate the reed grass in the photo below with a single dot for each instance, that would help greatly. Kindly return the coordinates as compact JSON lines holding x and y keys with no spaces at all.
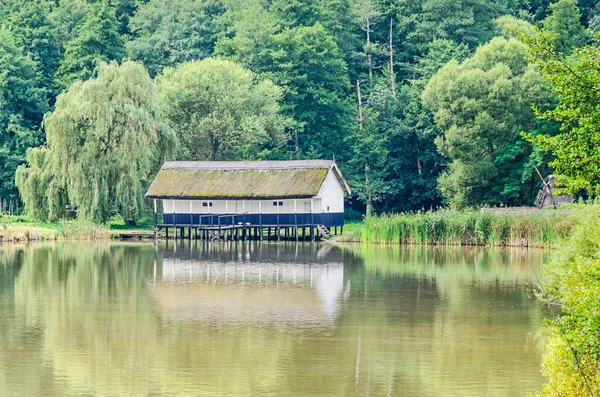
{"x":22,"y":228}
{"x":470,"y":227}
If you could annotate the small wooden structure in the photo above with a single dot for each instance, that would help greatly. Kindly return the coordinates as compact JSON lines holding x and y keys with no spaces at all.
{"x":300,"y":199}
{"x":546,"y":197}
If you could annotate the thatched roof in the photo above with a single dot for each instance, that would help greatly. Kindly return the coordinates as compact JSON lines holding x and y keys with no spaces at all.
{"x":242,"y":179}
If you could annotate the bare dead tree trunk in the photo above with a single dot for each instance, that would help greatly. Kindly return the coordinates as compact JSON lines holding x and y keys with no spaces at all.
{"x":419,"y":165}
{"x":392,"y":77}
{"x":360,"y":113}
{"x":369,"y":193}
{"x":214,"y":147}
{"x":369,"y":55}
{"x":297,"y":143}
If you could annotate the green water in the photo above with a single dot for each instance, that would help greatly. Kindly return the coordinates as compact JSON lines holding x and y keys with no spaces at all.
{"x":118,"y":319}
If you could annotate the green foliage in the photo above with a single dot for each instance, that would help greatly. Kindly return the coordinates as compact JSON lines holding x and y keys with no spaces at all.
{"x":571,"y":278}
{"x":36,"y":34}
{"x":420,"y":22}
{"x":220,"y":110}
{"x":414,"y":163}
{"x":315,"y":51}
{"x":33,"y":182}
{"x":564,"y":23}
{"x":575,"y":79}
{"x":23,"y":102}
{"x":482,"y":105}
{"x":97,"y":40}
{"x":166,"y":33}
{"x":105,"y":141}
{"x":448,"y":227}
{"x":366,"y":166}
{"x":510,"y":26}
{"x":68,"y":16}
{"x":124,"y":10}
{"x":307,"y":63}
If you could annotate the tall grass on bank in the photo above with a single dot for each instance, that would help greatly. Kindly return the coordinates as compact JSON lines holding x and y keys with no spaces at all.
{"x":448,"y":227}
{"x":23,"y":228}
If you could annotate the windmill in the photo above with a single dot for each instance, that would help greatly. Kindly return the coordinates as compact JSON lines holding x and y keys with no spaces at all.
{"x":545,"y":196}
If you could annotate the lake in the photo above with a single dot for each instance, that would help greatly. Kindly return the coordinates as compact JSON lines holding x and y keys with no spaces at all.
{"x":268,"y":319}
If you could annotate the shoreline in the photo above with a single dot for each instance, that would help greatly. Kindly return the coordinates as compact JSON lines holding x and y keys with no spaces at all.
{"x":148,"y":235}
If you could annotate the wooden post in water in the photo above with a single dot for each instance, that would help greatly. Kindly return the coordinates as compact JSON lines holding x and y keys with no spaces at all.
{"x":155,"y":215}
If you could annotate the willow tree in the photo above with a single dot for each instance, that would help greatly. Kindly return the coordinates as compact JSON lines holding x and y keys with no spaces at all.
{"x":105,"y":140}
{"x":220,"y":110}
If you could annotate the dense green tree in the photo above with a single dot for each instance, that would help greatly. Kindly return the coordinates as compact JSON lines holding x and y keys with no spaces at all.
{"x":419,"y":22}
{"x":68,"y":16}
{"x":221,"y":111}
{"x":124,"y":10}
{"x":23,"y":103}
{"x":307,"y":63}
{"x":482,"y":105}
{"x":166,"y":33}
{"x":571,"y":359}
{"x":369,"y":152}
{"x":575,"y":79}
{"x":594,"y":22}
{"x":249,"y":37}
{"x":414,"y":163}
{"x":342,"y":19}
{"x":293,"y":13}
{"x":34,"y":183}
{"x":564,"y":22}
{"x":97,"y":40}
{"x":105,"y":140}
{"x":36,"y":34}
{"x":509,"y":26}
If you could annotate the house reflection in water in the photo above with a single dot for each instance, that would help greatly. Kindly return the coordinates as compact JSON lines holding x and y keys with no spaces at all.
{"x":296,"y":286}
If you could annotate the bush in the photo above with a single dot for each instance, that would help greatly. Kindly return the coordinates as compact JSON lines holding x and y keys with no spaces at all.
{"x":572,"y":278}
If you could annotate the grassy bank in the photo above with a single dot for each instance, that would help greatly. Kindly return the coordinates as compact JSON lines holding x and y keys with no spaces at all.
{"x":571,"y":362}
{"x":23,"y":228}
{"x":447,"y":227}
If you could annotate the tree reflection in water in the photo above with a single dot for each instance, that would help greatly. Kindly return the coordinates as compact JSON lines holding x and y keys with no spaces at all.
{"x":266,"y":319}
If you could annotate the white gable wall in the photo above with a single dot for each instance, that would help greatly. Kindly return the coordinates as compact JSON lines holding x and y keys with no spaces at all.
{"x":331,"y":194}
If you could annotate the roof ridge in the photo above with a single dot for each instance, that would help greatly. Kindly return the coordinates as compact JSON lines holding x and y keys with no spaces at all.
{"x":249,"y":165}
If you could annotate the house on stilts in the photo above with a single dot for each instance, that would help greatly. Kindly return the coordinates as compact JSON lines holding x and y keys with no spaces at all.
{"x":299,"y":199}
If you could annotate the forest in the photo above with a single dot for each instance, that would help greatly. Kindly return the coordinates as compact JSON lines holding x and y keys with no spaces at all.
{"x":422,"y":103}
